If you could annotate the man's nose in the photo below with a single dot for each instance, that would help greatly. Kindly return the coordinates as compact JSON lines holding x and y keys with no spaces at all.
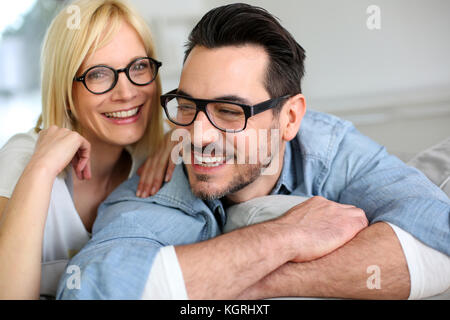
{"x":204,"y":133}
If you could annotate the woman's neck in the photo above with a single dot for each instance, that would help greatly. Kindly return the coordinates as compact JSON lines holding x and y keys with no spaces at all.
{"x":104,"y":160}
{"x":110,"y":166}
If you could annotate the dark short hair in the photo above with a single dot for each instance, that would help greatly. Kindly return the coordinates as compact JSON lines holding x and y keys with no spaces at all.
{"x":240,"y":24}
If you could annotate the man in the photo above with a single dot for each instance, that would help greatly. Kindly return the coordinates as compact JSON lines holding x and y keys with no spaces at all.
{"x":242,"y":73}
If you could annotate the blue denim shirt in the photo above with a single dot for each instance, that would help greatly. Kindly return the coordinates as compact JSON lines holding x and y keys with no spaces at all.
{"x":329,"y":157}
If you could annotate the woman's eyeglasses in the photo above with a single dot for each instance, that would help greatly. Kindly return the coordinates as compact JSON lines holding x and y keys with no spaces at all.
{"x":101,"y":78}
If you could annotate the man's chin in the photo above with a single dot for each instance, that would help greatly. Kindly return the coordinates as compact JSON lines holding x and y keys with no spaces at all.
{"x":207,"y":195}
{"x":206,"y":187}
{"x":211,"y":189}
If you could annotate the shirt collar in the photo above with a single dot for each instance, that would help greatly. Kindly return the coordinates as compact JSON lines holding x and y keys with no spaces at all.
{"x":287,"y":181}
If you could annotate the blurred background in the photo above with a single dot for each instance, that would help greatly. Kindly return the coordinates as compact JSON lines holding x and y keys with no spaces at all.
{"x":392,"y":82}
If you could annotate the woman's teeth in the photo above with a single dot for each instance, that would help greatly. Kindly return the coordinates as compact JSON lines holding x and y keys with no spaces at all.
{"x":122,"y":114}
{"x":209,"y":161}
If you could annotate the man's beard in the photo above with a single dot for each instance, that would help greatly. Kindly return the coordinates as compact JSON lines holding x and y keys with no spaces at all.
{"x":239,"y":182}
{"x":242,"y":179}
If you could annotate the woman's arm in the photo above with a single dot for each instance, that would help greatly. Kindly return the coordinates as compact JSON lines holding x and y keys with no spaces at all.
{"x":24,"y":214}
{"x":21,"y":234}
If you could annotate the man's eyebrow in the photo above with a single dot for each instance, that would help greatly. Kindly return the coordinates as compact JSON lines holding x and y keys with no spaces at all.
{"x":182,"y":93}
{"x":230,"y":98}
{"x":233,"y":98}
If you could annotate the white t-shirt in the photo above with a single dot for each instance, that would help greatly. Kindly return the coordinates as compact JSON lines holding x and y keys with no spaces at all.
{"x":64,"y":233}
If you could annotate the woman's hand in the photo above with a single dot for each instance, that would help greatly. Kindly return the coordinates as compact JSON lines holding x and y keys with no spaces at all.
{"x":156,"y":169}
{"x":57,"y":147}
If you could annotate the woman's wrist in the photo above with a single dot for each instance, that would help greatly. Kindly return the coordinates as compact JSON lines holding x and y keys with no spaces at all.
{"x":40,"y":170}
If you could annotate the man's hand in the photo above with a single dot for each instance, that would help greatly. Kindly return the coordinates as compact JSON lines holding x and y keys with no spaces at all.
{"x":320,"y":226}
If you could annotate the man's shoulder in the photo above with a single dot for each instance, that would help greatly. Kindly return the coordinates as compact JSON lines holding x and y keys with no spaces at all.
{"x":321,"y":133}
{"x":176,"y":192}
{"x":173,"y":203}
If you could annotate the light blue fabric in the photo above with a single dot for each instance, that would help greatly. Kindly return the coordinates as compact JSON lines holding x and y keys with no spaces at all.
{"x":329,"y":157}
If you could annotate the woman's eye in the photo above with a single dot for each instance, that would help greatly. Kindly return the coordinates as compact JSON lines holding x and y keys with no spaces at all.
{"x":140,"y":66}
{"x":96,"y":75}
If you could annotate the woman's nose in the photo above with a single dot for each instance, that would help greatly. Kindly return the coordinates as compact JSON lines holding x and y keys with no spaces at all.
{"x":124,"y":89}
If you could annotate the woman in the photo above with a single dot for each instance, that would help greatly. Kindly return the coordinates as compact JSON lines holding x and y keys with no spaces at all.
{"x":100,"y":119}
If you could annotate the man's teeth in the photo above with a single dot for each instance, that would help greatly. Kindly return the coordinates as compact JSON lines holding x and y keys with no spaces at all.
{"x":122,"y":114}
{"x":208,"y":161}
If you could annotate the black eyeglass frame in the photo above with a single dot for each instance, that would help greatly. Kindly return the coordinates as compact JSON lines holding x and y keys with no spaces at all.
{"x":200,"y":105}
{"x":82,"y":78}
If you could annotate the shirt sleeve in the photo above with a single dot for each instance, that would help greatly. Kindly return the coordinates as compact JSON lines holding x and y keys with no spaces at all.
{"x":129,"y":237}
{"x":115,"y":269}
{"x":428,"y":268}
{"x":14,"y":157}
{"x":364,"y":174}
{"x":166,"y":278}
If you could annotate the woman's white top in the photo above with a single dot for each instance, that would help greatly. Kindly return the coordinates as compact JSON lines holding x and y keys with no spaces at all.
{"x":64,"y":233}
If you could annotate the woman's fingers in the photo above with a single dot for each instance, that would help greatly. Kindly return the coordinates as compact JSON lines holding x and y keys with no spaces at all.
{"x":169,"y":172}
{"x":57,"y":147}
{"x":139,"y":171}
{"x":145,"y":178}
{"x":151,"y":178}
{"x":156,"y":170}
{"x":81,"y":159}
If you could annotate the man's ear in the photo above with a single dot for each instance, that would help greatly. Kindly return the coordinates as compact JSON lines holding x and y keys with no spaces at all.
{"x":291,"y":116}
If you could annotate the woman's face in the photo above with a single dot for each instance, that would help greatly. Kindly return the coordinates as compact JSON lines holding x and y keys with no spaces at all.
{"x":120,"y":116}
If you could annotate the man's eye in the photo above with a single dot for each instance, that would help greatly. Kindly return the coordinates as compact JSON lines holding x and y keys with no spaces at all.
{"x":230,"y":112}
{"x":183,"y":107}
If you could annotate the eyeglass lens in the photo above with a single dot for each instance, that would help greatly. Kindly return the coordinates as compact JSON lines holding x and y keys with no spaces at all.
{"x":226,"y":116}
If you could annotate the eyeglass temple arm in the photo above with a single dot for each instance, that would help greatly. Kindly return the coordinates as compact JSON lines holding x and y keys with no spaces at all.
{"x":266,"y":105}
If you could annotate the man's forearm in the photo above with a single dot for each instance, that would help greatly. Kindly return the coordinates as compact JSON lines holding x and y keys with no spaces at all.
{"x":349,"y":272}
{"x":222,"y":267}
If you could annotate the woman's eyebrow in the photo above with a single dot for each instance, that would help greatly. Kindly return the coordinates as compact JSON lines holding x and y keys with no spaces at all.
{"x":107,"y":64}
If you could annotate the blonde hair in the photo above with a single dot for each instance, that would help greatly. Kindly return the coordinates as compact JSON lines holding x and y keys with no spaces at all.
{"x":65,"y":48}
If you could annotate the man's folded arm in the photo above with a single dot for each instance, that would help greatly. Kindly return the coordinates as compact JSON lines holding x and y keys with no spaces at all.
{"x":344,"y":273}
{"x":114,"y":269}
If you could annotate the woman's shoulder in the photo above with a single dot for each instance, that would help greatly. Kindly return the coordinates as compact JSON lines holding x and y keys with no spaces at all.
{"x":21,"y":141}
{"x":14,"y":157}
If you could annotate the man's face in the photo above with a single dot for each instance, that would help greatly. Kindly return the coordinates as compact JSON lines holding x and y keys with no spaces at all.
{"x":236,"y":72}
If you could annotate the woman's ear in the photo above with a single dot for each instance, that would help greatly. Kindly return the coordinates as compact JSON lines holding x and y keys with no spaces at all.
{"x":291,"y":116}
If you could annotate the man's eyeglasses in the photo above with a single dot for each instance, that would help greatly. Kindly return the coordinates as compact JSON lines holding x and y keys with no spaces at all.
{"x":225,"y":115}
{"x":101,"y":78}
